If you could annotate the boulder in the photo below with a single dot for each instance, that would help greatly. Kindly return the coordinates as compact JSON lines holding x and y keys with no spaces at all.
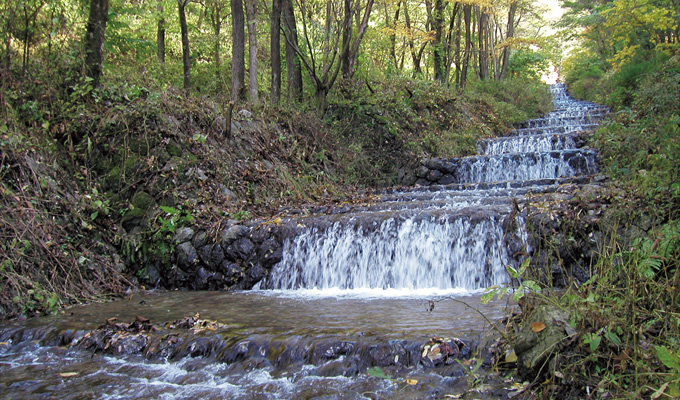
{"x":182,"y":235}
{"x":187,"y":257}
{"x":232,"y":233}
{"x":540,"y":337}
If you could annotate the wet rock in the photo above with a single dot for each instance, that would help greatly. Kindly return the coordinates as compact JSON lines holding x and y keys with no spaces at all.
{"x":422,"y":171}
{"x":270,"y":253}
{"x":232,"y":272}
{"x":153,"y":276}
{"x":204,"y":253}
{"x":201,"y":279}
{"x":176,"y":278}
{"x":262,"y":233}
{"x":187,"y":257}
{"x":433,"y":175}
{"x":443,"y":351}
{"x":232,"y":233}
{"x":199,"y":347}
{"x":331,"y":350}
{"x":241,"y":249}
{"x":200,"y":239}
{"x":447,"y":166}
{"x":216,"y":256}
{"x":211,"y":255}
{"x":182,"y":235}
{"x":447,"y":179}
{"x":540,"y":337}
{"x":254,"y":274}
{"x":127,"y":344}
{"x":386,"y":354}
{"x":348,"y":367}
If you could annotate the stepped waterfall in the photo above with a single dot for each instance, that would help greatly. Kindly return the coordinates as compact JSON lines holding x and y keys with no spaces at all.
{"x":456,"y":235}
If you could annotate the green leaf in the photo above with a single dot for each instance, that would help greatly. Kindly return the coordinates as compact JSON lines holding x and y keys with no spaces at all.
{"x":524,"y":266}
{"x":170,"y":210}
{"x":512,"y":272}
{"x":613,"y":337}
{"x":532,"y":286}
{"x":490,"y":292}
{"x":668,"y":358}
{"x":593,"y":340}
{"x":94,"y":215}
{"x":378,"y":373}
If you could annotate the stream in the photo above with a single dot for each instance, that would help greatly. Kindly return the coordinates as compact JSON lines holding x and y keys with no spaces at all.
{"x":378,"y":302}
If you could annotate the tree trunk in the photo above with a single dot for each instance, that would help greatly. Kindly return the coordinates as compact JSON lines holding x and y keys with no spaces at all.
{"x":457,"y":57}
{"x":393,"y":37}
{"x":505,"y":59}
{"x":438,"y":45}
{"x":467,"y":18}
{"x":448,"y":56}
{"x":238,"y":52}
{"x":361,"y":31}
{"x":160,"y":34}
{"x":415,"y":55}
{"x":186,"y":52}
{"x":251,"y":14}
{"x":275,"y":54}
{"x":346,"y":37}
{"x":96,"y":31}
{"x":293,"y":67}
{"x":483,"y":46}
{"x":218,"y":51}
{"x":9,"y":14}
{"x":215,"y":11}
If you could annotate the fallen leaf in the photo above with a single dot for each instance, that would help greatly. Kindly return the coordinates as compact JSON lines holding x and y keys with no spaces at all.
{"x":412,"y":382}
{"x":68,"y":374}
{"x":510,"y":356}
{"x":537,"y":326}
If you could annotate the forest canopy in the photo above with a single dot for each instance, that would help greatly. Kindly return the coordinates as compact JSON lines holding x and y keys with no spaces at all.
{"x":201,"y":45}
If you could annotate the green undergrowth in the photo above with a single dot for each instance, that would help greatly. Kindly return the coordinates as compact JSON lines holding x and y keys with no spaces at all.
{"x":391,"y":125}
{"x":627,"y":315}
{"x":626,"y":320}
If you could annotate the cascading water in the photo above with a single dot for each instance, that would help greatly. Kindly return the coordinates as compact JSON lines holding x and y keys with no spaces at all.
{"x":399,"y":253}
{"x":426,"y":241}
{"x":436,"y":244}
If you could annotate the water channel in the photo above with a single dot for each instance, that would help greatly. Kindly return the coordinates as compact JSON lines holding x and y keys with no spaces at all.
{"x":372,"y":288}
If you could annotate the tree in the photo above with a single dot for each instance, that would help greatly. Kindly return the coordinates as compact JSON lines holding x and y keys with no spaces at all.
{"x":251,"y":14}
{"x":483,"y":20}
{"x":237,"y":52}
{"x":275,"y":53}
{"x":217,"y":14}
{"x":160,"y":33}
{"x":467,"y":21}
{"x":438,"y":45}
{"x":320,"y":57}
{"x":94,"y":39}
{"x":293,"y":67}
{"x":186,"y":51}
{"x":505,"y":58}
{"x":7,"y":18}
{"x":416,"y":53}
{"x":351,"y":43}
